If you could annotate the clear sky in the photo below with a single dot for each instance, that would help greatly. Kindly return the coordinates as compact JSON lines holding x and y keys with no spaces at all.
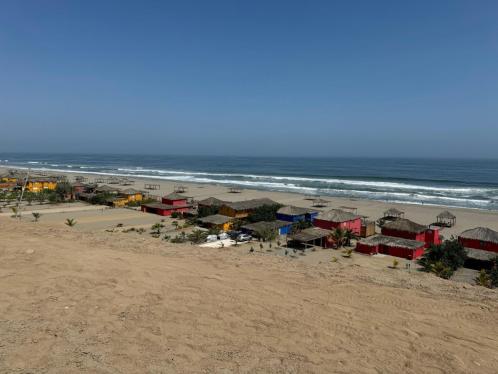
{"x":322,"y":78}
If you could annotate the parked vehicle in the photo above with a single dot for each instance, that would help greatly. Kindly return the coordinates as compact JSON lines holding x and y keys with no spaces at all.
{"x":234,"y":234}
{"x":211,"y":238}
{"x":244,"y":238}
{"x":223,"y":236}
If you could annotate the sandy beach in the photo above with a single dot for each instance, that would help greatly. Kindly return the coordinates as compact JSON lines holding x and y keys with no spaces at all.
{"x":424,"y":214}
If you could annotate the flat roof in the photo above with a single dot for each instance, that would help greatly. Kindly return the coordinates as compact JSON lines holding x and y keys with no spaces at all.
{"x":309,"y":234}
{"x":480,"y":254}
{"x":216,"y":219}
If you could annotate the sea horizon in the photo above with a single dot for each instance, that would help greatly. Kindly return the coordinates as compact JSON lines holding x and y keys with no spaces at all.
{"x":464,"y":183}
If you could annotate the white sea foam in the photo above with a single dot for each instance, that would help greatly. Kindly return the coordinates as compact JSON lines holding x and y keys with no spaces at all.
{"x":377,"y":190}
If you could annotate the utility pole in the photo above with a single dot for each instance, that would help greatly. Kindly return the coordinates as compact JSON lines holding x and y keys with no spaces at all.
{"x":18,"y":209}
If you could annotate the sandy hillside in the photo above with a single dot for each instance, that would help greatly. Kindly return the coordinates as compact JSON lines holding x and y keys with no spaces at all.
{"x":109,"y":303}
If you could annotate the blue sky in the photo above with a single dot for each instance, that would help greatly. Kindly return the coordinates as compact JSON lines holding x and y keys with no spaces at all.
{"x":323,"y":78}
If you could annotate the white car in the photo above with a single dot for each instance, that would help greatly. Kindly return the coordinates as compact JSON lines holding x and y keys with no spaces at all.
{"x":211,"y":238}
{"x":244,"y":238}
{"x":223,"y":236}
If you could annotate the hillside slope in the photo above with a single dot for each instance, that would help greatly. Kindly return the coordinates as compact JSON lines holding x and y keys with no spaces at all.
{"x":112,"y":303}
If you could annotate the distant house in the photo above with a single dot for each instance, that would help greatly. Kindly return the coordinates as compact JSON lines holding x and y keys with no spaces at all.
{"x":38,"y":184}
{"x":117,"y":201}
{"x":218,"y":221}
{"x":131,"y":195}
{"x":172,"y":203}
{"x":211,"y":202}
{"x":242,"y":209}
{"x":311,"y":237}
{"x":292,"y":213}
{"x":481,"y":238}
{"x":336,"y":218}
{"x":107,"y":189}
{"x":9,"y":178}
{"x":393,"y":246}
{"x":175,"y":199}
{"x":258,"y":229}
{"x":404,"y":228}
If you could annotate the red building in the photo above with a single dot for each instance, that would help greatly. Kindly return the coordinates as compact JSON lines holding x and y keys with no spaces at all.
{"x":406,"y":229}
{"x":480,"y":238}
{"x":392,"y":246}
{"x":336,"y":218}
{"x":172,"y":203}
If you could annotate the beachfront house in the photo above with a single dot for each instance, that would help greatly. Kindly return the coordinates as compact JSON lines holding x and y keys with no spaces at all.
{"x":337,"y":218}
{"x":311,"y":237}
{"x":261,"y":229}
{"x":404,"y":228}
{"x":209,"y":206}
{"x":292,"y":213}
{"x":172,"y":203}
{"x":211,"y":202}
{"x":392,"y":246}
{"x":9,"y":178}
{"x":116,"y":201}
{"x":131,"y":195}
{"x":217,"y":221}
{"x":242,"y":209}
{"x":105,"y":189}
{"x":39,"y":184}
{"x":481,"y":238}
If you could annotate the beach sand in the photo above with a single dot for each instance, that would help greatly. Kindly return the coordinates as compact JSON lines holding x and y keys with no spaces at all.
{"x":424,"y":214}
{"x":99,"y":302}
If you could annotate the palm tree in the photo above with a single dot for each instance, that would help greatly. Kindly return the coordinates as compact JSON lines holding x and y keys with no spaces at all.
{"x":339,"y":234}
{"x":348,"y":236}
{"x":36,"y":216}
{"x":70,"y":222}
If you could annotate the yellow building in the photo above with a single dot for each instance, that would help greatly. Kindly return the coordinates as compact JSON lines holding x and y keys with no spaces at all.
{"x":218,"y":221}
{"x":132,"y":195}
{"x":242,"y":209}
{"x":117,"y":201}
{"x":39,"y":184}
{"x":8,"y":179}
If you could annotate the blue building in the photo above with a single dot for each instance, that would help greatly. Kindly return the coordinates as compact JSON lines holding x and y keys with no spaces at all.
{"x":296,"y":214}
{"x":258,"y":228}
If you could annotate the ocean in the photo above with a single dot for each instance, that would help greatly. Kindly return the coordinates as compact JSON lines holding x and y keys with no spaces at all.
{"x":452,"y":183}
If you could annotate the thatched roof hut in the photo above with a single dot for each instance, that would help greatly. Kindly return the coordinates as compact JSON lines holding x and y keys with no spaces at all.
{"x":250,"y":204}
{"x":337,"y":215}
{"x":446,"y":218}
{"x":211,"y":202}
{"x":215,"y":219}
{"x":482,"y":234}
{"x":393,"y":213}
{"x":405,"y":225}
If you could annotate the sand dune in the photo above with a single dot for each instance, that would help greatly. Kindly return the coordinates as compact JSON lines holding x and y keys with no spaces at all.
{"x":110,"y":303}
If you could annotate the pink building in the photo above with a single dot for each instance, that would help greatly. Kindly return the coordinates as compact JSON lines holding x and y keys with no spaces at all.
{"x":336,"y":218}
{"x":406,"y":229}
